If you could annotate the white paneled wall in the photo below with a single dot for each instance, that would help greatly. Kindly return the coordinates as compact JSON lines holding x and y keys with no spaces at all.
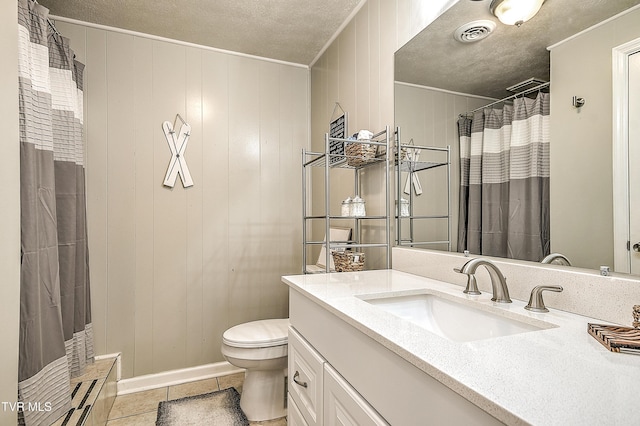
{"x":357,"y":71}
{"x":171,"y":269}
{"x":357,"y":68}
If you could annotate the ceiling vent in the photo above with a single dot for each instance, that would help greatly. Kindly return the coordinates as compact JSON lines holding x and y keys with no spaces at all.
{"x":474,"y":31}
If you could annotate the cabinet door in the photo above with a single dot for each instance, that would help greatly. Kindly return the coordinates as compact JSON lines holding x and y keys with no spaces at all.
{"x":305,"y":378}
{"x":294,"y":416}
{"x":343,"y":406}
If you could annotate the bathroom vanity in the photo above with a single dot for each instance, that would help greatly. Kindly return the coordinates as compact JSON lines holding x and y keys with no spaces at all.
{"x":357,"y":343}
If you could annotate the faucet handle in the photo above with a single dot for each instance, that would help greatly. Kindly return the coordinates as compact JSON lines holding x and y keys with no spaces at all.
{"x":472,"y":284}
{"x":536,"y":304}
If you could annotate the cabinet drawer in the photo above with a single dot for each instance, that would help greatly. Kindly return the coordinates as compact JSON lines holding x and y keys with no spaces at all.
{"x":305,"y":378}
{"x":294,"y":416}
{"x":343,"y":405}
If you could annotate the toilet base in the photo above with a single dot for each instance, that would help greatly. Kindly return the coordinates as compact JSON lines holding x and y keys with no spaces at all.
{"x":263,"y":395}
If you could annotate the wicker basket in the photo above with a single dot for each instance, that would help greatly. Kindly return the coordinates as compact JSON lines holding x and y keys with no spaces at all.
{"x":359,"y":154}
{"x":402,"y":155}
{"x":348,"y":261}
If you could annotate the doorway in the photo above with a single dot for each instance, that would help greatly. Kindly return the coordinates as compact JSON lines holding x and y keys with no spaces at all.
{"x":634,"y":162}
{"x":626,"y":145}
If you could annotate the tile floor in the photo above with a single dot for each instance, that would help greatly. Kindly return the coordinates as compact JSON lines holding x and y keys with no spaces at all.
{"x":141,"y":408}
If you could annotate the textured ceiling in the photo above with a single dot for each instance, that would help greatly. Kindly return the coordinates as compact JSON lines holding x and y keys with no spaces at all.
{"x":508,"y":56}
{"x":288,"y":30}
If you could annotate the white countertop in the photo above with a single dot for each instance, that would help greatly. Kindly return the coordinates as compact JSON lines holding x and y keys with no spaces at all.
{"x":560,"y":375}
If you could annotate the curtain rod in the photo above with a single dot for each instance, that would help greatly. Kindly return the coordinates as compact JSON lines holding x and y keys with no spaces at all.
{"x":51,"y":25}
{"x":524,"y":92}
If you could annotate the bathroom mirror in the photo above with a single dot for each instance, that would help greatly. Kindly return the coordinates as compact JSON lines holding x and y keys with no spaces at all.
{"x":466,"y":76}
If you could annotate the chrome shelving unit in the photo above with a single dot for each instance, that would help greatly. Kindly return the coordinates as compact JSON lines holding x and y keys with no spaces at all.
{"x":330,"y":161}
{"x":426,"y":162}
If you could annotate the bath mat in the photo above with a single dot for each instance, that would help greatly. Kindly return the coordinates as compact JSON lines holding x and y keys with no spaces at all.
{"x":215,"y":408}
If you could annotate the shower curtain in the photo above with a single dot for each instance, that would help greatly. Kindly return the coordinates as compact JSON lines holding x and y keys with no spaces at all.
{"x":56,"y":339}
{"x":504,"y":180}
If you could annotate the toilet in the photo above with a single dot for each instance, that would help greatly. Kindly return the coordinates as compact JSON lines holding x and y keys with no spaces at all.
{"x":260,"y":347}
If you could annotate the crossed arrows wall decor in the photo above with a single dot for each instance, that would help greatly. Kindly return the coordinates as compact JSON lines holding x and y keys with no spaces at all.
{"x":178,"y":146}
{"x":413,"y":154}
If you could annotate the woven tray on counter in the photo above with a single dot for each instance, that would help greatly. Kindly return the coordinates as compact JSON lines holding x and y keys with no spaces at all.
{"x":616,"y":338}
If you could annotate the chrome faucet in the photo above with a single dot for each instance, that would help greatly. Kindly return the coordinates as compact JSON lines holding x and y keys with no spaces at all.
{"x":556,"y":259}
{"x":536,"y":304}
{"x":498,"y":281}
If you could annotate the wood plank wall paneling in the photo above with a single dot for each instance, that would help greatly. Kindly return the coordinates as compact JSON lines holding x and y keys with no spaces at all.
{"x":270,"y":197}
{"x":357,"y":70}
{"x":294,"y":124}
{"x":352,"y":72}
{"x":96,"y":177}
{"x":169,"y":215}
{"x":120,"y":226}
{"x":171,"y":269}
{"x":244,"y":184}
{"x":216,"y":270}
{"x":194,"y":212}
{"x":145,"y":181}
{"x":362,"y":59}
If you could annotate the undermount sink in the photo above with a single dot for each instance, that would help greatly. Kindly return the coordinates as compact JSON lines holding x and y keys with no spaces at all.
{"x":449,"y":319}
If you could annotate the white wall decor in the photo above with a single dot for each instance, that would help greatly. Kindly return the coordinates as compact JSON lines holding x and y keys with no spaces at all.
{"x":177,"y":145}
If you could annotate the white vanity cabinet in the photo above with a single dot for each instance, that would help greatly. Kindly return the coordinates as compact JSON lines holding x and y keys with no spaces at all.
{"x":318,"y":395}
{"x":305,"y":378}
{"x":294,"y":416}
{"x":411,"y":376}
{"x":343,"y":406}
{"x":361,"y":378}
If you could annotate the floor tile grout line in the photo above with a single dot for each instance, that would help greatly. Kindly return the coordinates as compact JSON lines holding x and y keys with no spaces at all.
{"x":126,"y":416}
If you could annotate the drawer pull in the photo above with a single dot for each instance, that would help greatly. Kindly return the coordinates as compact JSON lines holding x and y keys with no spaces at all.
{"x":299,"y":383}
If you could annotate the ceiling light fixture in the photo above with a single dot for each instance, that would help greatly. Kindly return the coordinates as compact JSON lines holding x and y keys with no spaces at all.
{"x":515,"y":12}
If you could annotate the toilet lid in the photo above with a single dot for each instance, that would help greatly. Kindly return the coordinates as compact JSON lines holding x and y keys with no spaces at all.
{"x":257,"y":334}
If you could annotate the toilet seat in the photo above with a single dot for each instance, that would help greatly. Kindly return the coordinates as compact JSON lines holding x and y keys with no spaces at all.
{"x":258,"y":334}
{"x":260,"y":348}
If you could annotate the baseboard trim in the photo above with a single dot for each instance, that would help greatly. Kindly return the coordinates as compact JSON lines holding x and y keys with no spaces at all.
{"x":176,"y":377}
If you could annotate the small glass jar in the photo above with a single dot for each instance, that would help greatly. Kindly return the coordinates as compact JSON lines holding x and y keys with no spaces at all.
{"x":358,"y":209}
{"x":404,"y":208}
{"x":347,"y":207}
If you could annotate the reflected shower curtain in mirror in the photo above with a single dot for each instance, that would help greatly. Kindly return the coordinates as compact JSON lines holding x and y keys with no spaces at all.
{"x":504,"y":177}
{"x":56,"y":339}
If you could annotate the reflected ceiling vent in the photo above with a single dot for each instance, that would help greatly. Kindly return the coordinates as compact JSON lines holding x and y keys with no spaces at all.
{"x":526,"y":85}
{"x":474,"y":31}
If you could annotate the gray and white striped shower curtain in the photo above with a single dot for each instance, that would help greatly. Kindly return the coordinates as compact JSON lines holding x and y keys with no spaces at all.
{"x":56,"y":339}
{"x":504,"y":180}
